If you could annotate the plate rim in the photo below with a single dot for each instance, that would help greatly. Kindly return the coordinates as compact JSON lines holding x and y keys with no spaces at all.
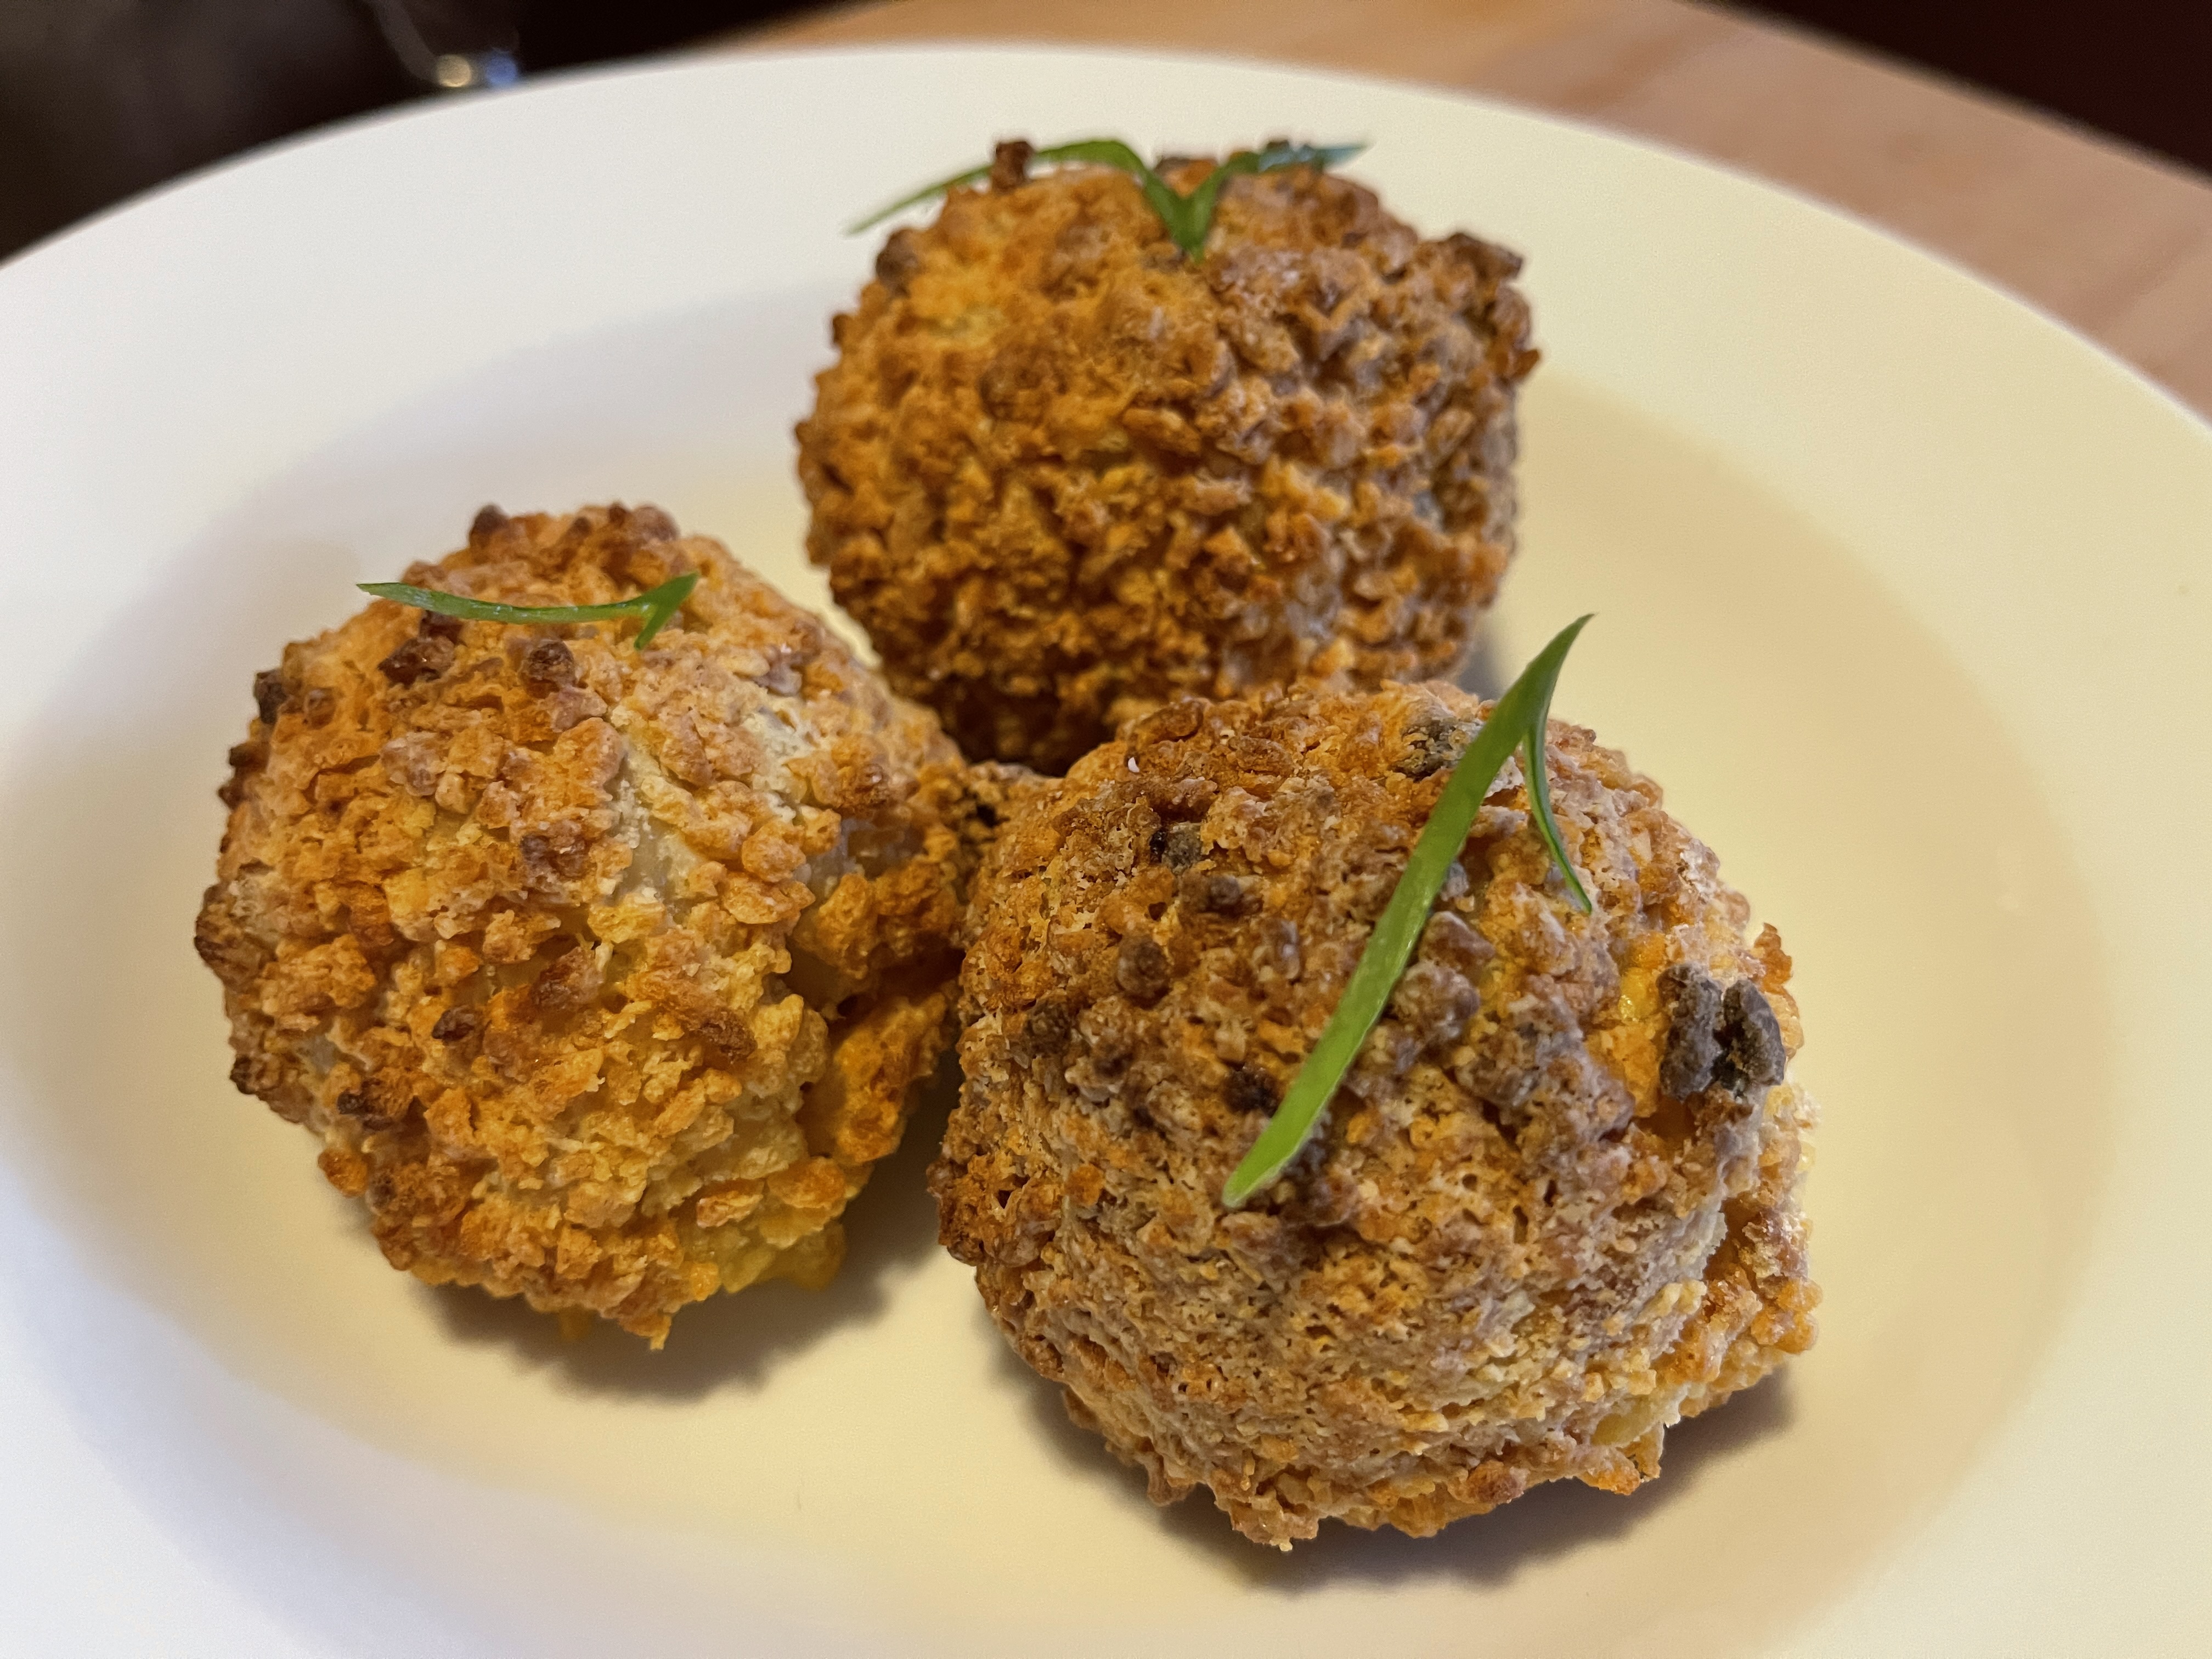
{"x":87,"y":232}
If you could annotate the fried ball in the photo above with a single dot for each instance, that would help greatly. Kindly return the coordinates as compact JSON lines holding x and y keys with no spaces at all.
{"x":1062,"y":475}
{"x":1553,"y":1209}
{"x":604,"y":977}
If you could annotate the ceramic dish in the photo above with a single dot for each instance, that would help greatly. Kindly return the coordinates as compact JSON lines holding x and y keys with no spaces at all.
{"x":1901,"y":588}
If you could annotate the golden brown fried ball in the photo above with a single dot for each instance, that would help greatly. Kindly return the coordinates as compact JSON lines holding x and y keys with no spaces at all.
{"x":603,"y":976}
{"x":1062,"y":474}
{"x":1554,"y":1209}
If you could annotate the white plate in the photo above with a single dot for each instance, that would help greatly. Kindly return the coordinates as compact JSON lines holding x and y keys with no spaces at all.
{"x":1901,"y":588}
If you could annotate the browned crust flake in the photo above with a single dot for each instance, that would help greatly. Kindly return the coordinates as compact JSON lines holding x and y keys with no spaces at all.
{"x":602,"y":976}
{"x":1508,"y":1257}
{"x":1062,"y":474}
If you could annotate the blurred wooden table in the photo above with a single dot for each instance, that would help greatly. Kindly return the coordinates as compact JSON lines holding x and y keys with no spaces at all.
{"x":2115,"y":242}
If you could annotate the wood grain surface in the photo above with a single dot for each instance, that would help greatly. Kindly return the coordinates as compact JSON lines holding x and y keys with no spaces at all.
{"x":2115,"y":242}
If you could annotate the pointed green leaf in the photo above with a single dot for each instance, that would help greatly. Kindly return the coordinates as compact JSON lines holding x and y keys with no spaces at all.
{"x":655,"y":606}
{"x":1188,"y":218}
{"x":1516,"y":722}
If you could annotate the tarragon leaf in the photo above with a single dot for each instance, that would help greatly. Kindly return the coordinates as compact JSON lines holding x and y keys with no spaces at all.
{"x":1516,"y":724}
{"x":1198,"y":206}
{"x":1187,"y":218}
{"x":655,"y":606}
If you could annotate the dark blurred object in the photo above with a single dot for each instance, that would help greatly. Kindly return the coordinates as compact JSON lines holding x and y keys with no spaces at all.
{"x":562,"y":34}
{"x":100,"y":99}
{"x":2141,"y":69}
{"x":452,"y":46}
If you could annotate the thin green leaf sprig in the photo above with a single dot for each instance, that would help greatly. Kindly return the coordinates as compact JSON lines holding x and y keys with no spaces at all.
{"x":1516,"y":724}
{"x":654,"y":607}
{"x":1187,"y":218}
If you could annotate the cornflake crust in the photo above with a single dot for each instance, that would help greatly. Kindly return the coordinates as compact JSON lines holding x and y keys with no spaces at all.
{"x":1063,"y":474}
{"x":1554,"y":1210}
{"x":602,"y":976}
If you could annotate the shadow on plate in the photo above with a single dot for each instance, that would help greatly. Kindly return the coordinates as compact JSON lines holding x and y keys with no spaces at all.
{"x":736,"y":1340}
{"x":1489,"y":1550}
{"x":1484,"y":672}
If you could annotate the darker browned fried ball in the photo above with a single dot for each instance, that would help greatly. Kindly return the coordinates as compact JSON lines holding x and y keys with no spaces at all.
{"x":1553,"y":1209}
{"x":1063,"y":474}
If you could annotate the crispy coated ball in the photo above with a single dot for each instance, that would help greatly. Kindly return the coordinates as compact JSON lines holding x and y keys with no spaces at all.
{"x":1062,"y":475}
{"x":603,"y":976}
{"x":1554,"y":1208}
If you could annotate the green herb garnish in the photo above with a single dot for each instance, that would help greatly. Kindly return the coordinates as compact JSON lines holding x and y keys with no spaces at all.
{"x":1187,"y":217}
{"x":656,"y":605}
{"x":1516,"y":723}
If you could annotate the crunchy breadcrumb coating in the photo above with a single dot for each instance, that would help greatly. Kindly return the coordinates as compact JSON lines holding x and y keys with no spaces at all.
{"x":602,"y":976}
{"x":1062,"y":474}
{"x":1554,"y":1209}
